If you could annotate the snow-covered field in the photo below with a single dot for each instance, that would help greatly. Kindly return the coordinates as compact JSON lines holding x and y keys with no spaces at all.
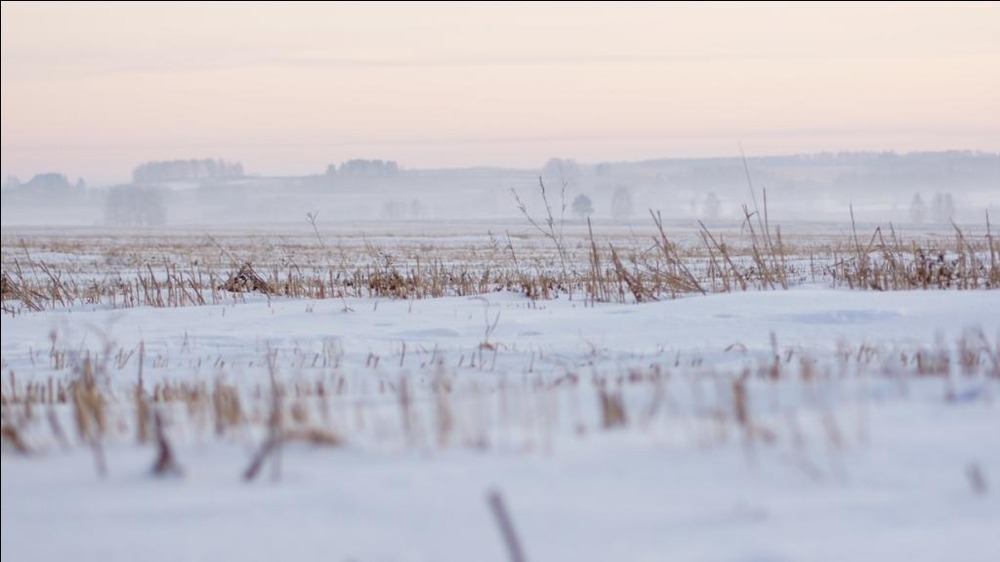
{"x":805,"y":424}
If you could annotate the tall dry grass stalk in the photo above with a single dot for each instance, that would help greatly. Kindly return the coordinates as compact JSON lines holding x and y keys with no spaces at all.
{"x":700,"y":262}
{"x":89,"y":410}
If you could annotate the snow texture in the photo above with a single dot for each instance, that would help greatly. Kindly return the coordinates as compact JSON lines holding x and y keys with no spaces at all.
{"x":898,"y":484}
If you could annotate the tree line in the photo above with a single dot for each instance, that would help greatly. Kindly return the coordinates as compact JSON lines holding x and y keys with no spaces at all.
{"x":179,"y":170}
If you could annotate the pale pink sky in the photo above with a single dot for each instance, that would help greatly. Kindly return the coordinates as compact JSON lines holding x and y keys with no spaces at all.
{"x":93,"y":89}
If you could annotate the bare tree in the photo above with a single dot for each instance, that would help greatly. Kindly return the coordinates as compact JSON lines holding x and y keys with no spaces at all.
{"x":582,"y":206}
{"x":621,"y":204}
{"x":917,"y":209}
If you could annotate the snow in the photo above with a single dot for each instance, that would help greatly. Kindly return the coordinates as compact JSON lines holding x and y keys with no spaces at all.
{"x":872,"y":461}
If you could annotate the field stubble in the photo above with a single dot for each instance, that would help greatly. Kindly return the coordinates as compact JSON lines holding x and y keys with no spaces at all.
{"x":783,"y":399}
{"x":635,"y":263}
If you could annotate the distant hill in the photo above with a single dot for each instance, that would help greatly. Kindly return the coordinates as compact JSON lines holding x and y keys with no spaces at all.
{"x":880,"y":186}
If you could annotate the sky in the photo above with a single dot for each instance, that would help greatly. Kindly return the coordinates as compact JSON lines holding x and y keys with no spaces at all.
{"x":93,"y":89}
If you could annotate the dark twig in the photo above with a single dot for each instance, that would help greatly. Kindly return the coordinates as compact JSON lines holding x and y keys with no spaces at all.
{"x":506,"y":526}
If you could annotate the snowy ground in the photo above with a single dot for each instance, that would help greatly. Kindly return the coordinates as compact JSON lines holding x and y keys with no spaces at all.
{"x":867,"y":458}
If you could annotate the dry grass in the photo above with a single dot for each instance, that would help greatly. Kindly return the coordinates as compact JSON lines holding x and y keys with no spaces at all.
{"x":41,"y":272}
{"x":884,"y":263}
{"x":436,"y":407}
{"x":784,"y":400}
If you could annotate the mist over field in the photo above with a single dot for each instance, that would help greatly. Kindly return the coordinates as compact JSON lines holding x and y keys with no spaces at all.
{"x":453,"y":281}
{"x":436,"y":111}
{"x":906,"y":189}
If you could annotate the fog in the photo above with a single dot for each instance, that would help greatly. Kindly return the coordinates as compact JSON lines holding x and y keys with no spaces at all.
{"x":94,"y":90}
{"x":915,"y":188}
{"x":254,"y":112}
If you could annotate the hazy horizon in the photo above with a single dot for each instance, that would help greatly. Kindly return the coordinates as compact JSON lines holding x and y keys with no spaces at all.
{"x":91,"y":90}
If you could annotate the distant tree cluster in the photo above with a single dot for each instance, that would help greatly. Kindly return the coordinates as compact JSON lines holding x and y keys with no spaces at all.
{"x":49,"y":181}
{"x":177,"y":170}
{"x":713,"y":206}
{"x":133,"y":205}
{"x":559,"y":171}
{"x":621,"y":204}
{"x":942,"y":208}
{"x":50,"y":189}
{"x":582,"y":206}
{"x":367,"y":168}
{"x":848,"y":174}
{"x":401,"y":210}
